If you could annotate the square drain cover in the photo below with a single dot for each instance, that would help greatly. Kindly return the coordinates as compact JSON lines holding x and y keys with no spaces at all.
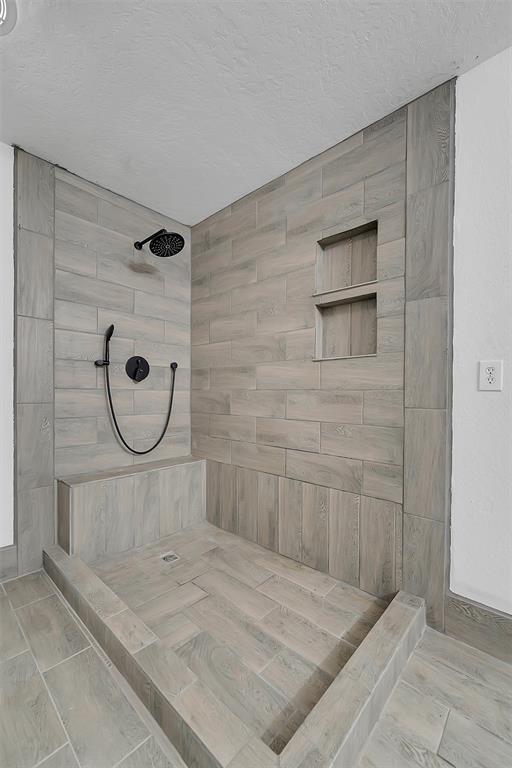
{"x":170,"y":557}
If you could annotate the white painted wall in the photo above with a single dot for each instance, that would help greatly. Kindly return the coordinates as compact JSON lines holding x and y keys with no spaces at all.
{"x":6,"y":345}
{"x":481,"y":537}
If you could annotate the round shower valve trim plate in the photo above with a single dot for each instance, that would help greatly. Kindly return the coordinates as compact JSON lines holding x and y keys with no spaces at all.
{"x":137,"y":368}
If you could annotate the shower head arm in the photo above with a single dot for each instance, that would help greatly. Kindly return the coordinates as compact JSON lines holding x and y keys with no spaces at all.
{"x":139,"y":243}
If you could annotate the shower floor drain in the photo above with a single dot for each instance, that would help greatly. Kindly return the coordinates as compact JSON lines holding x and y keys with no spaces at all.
{"x":170,"y":557}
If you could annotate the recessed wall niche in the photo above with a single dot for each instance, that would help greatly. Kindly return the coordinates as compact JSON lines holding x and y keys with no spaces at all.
{"x":346,"y":296}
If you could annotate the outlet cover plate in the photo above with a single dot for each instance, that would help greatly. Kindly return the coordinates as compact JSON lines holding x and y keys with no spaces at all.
{"x":490,"y":375}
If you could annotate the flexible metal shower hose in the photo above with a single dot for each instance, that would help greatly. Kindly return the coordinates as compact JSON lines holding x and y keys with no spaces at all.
{"x":114,"y":419}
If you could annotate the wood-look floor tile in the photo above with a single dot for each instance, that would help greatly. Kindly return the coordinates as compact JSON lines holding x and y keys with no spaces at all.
{"x":245,"y":599}
{"x":102,"y":725}
{"x":156,"y":612}
{"x":301,"y":682}
{"x":467,"y":745}
{"x":381,"y":751}
{"x":308,"y":640}
{"x":419,"y":718}
{"x":29,"y":726}
{"x":12,"y":641}
{"x":169,"y":674}
{"x":301,"y":753}
{"x":216,"y":726}
{"x":332,"y":619}
{"x":472,"y":662}
{"x":130,"y":630}
{"x":28,"y":588}
{"x":195,"y":548}
{"x":237,"y":565}
{"x":52,"y":632}
{"x":234,"y":628}
{"x":468,"y":697}
{"x":63,"y":758}
{"x":177,"y":629}
{"x":143,"y":581}
{"x":307,"y":578}
{"x":350,"y":598}
{"x":255,"y":754}
{"x":187,"y":570}
{"x":260,"y":706}
{"x":149,"y":755}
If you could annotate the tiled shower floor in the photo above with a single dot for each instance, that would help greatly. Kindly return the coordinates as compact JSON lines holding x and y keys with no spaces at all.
{"x":265,"y":634}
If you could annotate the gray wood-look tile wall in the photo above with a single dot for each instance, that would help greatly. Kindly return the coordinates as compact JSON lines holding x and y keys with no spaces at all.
{"x":305,"y":457}
{"x":101,"y":279}
{"x":430,"y":170}
{"x":77,"y":272}
{"x":34,"y":413}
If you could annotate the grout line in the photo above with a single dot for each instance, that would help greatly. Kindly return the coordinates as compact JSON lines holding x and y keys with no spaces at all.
{"x":144,"y":741}
{"x":15,"y":656}
{"x":444,"y":729}
{"x":48,"y":757}
{"x":37,"y":600}
{"x":62,"y":661}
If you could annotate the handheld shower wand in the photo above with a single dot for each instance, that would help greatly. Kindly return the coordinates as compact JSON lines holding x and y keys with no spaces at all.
{"x":105,"y":363}
{"x":106,"y":356}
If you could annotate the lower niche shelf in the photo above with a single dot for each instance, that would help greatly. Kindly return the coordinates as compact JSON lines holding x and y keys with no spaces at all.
{"x":346,"y":324}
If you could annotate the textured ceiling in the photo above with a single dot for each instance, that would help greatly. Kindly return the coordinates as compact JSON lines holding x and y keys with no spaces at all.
{"x":187,"y":106}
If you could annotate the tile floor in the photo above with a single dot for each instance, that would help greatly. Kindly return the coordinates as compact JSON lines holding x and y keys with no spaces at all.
{"x":263,"y":633}
{"x":451,"y":708}
{"x":258,"y":630}
{"x":62,"y":705}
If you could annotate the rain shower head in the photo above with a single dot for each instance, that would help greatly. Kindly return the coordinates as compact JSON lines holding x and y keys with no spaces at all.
{"x":162,"y":243}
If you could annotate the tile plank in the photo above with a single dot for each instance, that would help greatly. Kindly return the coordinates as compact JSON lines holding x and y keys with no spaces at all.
{"x":29,"y":725}
{"x":27,"y":589}
{"x":156,"y":612}
{"x":268,"y":511}
{"x":221,"y":732}
{"x":344,"y":536}
{"x":262,"y":708}
{"x":12,"y":642}
{"x":52,"y":632}
{"x":331,"y":619}
{"x":301,"y":682}
{"x":308,"y":640}
{"x":377,"y":546}
{"x":234,"y":628}
{"x":332,"y":471}
{"x":251,"y":602}
{"x":315,"y":527}
{"x":102,"y":725}
{"x":467,"y":745}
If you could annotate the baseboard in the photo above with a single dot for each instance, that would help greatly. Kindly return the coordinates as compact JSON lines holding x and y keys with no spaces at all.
{"x":478,"y":625}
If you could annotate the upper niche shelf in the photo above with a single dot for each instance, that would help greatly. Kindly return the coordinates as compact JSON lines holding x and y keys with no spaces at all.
{"x":347,"y":259}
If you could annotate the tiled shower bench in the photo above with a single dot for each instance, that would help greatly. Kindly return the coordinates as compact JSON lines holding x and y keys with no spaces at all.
{"x":105,"y":513}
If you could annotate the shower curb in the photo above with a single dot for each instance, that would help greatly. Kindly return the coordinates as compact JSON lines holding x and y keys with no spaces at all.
{"x":333,"y":733}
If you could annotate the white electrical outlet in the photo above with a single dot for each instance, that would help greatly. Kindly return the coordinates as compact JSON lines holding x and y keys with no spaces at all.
{"x":490,"y":375}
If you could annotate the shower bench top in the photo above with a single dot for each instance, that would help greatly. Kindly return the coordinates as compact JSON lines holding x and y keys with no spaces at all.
{"x":131,"y":469}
